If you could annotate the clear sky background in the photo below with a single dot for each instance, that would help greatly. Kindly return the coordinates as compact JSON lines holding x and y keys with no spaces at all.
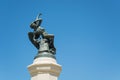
{"x":87,"y":37}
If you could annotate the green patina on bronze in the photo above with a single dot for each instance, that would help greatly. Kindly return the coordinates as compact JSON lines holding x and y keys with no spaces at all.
{"x":45,"y":55}
{"x":43,"y":41}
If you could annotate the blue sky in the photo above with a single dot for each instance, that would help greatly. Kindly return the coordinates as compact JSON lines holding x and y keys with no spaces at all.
{"x":87,"y":37}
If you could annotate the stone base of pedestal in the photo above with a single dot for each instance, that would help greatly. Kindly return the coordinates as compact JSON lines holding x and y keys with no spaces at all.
{"x":44,"y":68}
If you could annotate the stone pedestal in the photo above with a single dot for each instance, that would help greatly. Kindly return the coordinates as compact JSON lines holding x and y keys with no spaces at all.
{"x":44,"y":68}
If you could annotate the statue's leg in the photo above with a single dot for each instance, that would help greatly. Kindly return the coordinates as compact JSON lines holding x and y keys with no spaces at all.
{"x":31,"y":35}
{"x":46,"y":35}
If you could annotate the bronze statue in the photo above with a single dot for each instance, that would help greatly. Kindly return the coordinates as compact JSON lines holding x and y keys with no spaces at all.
{"x":43,"y":41}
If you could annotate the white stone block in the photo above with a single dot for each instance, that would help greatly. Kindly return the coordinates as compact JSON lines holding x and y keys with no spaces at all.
{"x":44,"y":69}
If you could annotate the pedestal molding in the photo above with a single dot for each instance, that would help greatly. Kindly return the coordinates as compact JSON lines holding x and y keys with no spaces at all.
{"x":44,"y":66}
